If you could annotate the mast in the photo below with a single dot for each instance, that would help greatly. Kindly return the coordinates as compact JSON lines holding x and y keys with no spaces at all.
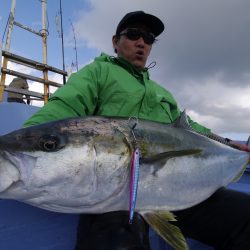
{"x":10,"y":26}
{"x":7,"y":46}
{"x":43,"y":67}
{"x":44,"y":33}
{"x":64,"y":77}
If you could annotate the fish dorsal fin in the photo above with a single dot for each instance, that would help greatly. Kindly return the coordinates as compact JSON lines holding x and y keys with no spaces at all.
{"x":182,"y":121}
{"x":159,"y":221}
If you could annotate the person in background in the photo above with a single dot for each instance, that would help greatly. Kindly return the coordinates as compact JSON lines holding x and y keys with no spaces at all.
{"x":18,"y":83}
{"x":121,"y":86}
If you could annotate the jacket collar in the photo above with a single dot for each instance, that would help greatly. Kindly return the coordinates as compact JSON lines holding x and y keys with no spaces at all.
{"x":128,"y":66}
{"x":124,"y":64}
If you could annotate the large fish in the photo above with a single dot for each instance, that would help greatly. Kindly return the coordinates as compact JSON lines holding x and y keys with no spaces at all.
{"x":83,"y":165}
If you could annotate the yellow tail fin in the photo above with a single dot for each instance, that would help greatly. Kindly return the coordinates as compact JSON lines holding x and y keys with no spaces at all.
{"x":237,"y":178}
{"x":159,"y":221}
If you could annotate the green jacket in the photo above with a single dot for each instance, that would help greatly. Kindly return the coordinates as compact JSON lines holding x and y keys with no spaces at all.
{"x":111,"y":87}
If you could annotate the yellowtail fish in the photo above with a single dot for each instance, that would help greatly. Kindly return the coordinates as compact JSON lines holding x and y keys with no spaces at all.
{"x":83,"y":165}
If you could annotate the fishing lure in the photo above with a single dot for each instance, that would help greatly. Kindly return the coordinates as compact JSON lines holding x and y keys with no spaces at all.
{"x":135,"y":171}
{"x":134,"y":183}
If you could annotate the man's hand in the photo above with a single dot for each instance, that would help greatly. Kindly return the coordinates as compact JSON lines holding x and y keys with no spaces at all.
{"x":242,"y":147}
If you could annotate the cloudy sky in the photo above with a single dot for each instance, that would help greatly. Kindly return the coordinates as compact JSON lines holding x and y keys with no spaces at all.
{"x":203,"y":56}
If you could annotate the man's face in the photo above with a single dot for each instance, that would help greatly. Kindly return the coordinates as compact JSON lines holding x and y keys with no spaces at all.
{"x":134,"y":51}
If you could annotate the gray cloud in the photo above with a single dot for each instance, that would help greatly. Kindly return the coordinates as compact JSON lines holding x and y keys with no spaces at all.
{"x":203,"y":57}
{"x":206,"y":37}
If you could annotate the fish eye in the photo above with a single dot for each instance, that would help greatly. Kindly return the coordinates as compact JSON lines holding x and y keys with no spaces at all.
{"x":50,"y":143}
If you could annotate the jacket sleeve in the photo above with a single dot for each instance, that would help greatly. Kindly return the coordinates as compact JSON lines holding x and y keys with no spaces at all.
{"x":77,"y":98}
{"x":176,"y":112}
{"x":198,"y":127}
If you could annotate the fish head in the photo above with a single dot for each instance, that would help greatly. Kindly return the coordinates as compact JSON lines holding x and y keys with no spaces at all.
{"x":37,"y":147}
{"x":61,"y":162}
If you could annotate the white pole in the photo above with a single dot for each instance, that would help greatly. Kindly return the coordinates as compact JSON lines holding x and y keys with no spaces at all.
{"x":44,"y":38}
{"x":10,"y":25}
{"x":7,"y":47}
{"x":44,"y":30}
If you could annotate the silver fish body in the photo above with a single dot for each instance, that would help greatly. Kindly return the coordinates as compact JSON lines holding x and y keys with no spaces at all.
{"x":83,"y":165}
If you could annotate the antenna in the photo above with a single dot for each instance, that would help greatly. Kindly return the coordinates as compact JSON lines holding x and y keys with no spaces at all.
{"x":59,"y":27}
{"x":6,"y":28}
{"x":75,"y":44}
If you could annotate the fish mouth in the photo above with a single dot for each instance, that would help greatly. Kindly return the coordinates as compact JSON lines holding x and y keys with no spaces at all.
{"x":9,"y":173}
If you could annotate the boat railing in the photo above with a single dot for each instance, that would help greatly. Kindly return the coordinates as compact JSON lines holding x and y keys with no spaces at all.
{"x":31,"y":64}
{"x":43,"y":67}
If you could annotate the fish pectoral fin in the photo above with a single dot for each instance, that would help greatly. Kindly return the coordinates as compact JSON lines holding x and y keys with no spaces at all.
{"x":159,"y":221}
{"x":170,"y":154}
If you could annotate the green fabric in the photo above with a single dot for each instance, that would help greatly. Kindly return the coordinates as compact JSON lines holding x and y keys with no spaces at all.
{"x":111,"y":87}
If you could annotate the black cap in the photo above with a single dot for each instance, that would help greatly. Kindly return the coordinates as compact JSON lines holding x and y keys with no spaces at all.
{"x":155,"y":25}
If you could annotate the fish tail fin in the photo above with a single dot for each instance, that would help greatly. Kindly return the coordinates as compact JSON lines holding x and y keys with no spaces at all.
{"x":159,"y":221}
{"x":237,"y":178}
{"x":248,"y":141}
{"x":244,"y":166}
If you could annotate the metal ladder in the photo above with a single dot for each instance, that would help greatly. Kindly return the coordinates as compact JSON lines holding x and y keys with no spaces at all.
{"x":44,"y":67}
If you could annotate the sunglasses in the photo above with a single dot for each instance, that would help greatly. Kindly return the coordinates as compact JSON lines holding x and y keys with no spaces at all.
{"x":135,"y":34}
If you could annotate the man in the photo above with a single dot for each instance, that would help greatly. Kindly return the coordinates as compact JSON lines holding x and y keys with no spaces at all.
{"x":18,"y":83}
{"x":120,"y":86}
